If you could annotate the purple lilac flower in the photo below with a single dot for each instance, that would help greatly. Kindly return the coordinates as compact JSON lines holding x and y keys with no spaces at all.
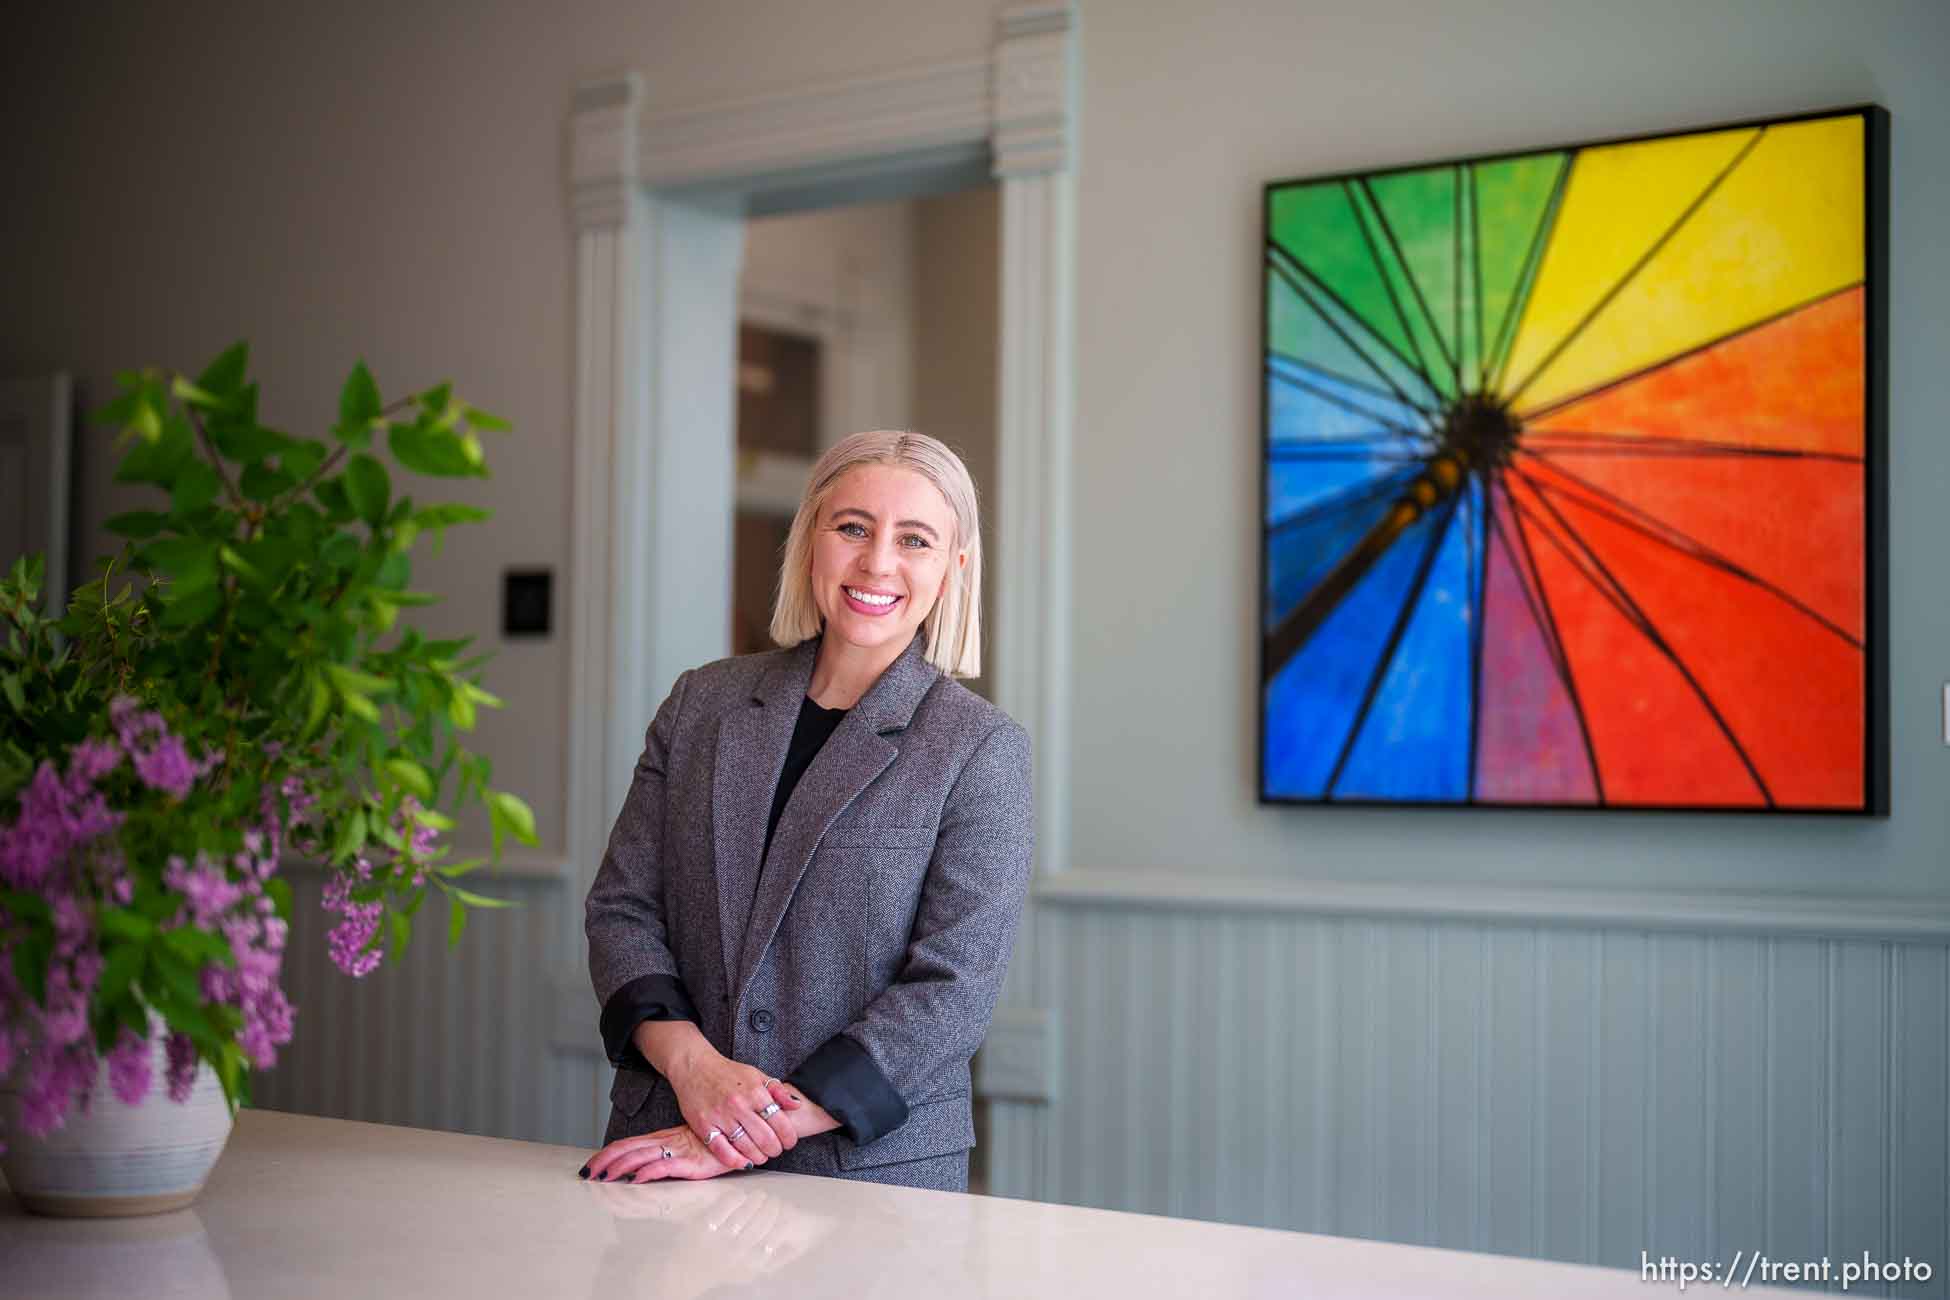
{"x":267,"y":1026}
{"x":419,"y":836}
{"x":167,"y":767}
{"x":207,"y":891}
{"x":61,"y":847}
{"x":161,"y":759}
{"x":128,"y":1067}
{"x":91,"y":760}
{"x":56,"y":1078}
{"x":41,"y":851}
{"x":56,"y":817}
{"x":181,"y":1070}
{"x":64,"y":1019}
{"x":71,"y":927}
{"x":348,"y":939}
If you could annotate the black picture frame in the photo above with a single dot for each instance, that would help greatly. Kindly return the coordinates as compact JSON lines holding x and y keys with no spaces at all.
{"x":1876,"y":699}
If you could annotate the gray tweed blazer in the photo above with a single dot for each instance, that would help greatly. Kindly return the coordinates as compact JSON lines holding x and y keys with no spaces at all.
{"x":862,"y":959}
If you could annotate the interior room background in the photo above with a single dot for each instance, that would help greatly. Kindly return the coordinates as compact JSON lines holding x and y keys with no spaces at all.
{"x":1570,"y":1035}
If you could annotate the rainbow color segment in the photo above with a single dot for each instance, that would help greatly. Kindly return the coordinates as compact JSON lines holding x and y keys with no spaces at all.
{"x":1566,"y":477}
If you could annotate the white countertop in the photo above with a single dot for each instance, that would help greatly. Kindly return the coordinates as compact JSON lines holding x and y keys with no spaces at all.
{"x":302,"y":1207}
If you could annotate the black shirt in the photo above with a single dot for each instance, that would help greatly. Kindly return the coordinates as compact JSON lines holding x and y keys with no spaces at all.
{"x":809,"y":734}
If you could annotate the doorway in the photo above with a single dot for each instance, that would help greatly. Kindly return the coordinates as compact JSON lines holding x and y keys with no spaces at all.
{"x":865,"y":316}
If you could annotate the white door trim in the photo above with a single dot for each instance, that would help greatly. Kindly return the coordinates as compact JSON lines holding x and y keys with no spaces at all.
{"x":1014,"y":106}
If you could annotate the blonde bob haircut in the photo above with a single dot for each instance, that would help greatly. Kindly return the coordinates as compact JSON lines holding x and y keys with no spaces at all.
{"x":953,"y":628}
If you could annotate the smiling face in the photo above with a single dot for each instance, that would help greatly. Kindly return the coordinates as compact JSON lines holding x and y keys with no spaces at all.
{"x":883,"y":547}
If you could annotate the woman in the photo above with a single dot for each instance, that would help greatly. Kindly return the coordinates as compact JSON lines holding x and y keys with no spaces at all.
{"x":801,"y":925}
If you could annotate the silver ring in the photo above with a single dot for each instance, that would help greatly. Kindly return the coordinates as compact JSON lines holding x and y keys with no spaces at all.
{"x":713,"y":1136}
{"x":736,"y":1133}
{"x":669,"y":1154}
{"x":769,"y":1111}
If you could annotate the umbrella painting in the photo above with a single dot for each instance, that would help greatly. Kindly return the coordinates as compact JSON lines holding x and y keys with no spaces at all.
{"x":1572,"y":482}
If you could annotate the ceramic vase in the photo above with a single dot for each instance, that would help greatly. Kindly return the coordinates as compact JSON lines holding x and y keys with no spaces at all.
{"x":115,"y":1159}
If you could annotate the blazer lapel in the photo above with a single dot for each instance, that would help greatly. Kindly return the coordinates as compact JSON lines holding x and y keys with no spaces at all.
{"x":857,"y":752}
{"x":752,"y":741}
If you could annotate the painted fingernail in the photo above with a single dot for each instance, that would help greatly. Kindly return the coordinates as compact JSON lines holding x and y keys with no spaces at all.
{"x":748,"y":1164}
{"x":603,"y":1177}
{"x":583,"y":1172}
{"x":629,"y":1178}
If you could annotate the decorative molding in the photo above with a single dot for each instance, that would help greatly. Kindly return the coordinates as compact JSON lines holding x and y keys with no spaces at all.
{"x":1034,"y":90}
{"x":930,"y":107}
{"x":1015,"y":104}
{"x":605,"y":415}
{"x":603,"y":150}
{"x":1801,"y":916}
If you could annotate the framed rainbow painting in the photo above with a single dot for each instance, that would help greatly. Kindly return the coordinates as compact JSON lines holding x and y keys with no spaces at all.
{"x":1575,"y":476}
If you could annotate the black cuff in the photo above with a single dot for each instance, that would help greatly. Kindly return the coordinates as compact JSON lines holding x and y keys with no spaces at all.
{"x":648,"y":997}
{"x":840,"y":1076}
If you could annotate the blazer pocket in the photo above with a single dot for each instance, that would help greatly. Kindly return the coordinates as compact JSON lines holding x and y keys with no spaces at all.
{"x":882,"y":837}
{"x":933,"y":1128}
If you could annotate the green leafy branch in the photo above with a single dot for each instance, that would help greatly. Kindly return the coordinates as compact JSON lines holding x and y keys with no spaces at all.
{"x":258,"y":608}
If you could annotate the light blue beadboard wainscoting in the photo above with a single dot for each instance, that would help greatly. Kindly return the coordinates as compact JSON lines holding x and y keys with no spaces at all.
{"x":476,"y":1039}
{"x":1561,"y":1074}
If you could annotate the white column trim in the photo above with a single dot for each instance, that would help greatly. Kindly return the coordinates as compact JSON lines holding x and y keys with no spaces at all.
{"x":1033,"y":112}
{"x":1032,"y":561}
{"x":607,"y":211}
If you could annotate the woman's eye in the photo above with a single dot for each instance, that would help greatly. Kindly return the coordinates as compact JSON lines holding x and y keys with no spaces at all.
{"x":915,"y":542}
{"x":852,"y":530}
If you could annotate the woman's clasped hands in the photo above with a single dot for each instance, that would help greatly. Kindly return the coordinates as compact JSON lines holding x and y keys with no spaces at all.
{"x":735,"y":1117}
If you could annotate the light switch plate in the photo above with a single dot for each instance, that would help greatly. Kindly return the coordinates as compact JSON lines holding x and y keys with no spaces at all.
{"x":525,"y":602}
